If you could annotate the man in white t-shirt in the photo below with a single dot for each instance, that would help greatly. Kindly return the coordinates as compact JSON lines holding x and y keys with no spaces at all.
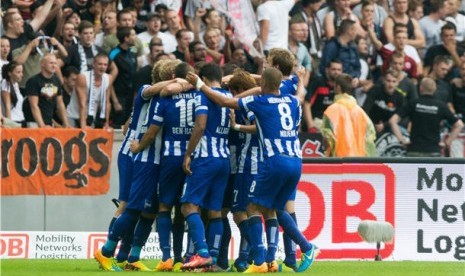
{"x":274,"y":23}
{"x":153,"y":25}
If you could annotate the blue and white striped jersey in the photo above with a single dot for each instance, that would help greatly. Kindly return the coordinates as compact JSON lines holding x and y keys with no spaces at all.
{"x":151,"y":154}
{"x":236,"y":140}
{"x":214,"y":142}
{"x":249,"y":150}
{"x":277,"y":120}
{"x":289,"y":86}
{"x":176,"y":114}
{"x":138,"y":114}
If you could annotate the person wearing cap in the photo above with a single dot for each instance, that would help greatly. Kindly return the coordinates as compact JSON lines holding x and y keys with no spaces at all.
{"x":153,"y":24}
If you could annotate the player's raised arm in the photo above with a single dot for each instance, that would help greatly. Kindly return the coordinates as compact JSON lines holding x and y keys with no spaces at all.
{"x":300,"y":86}
{"x":215,"y":97}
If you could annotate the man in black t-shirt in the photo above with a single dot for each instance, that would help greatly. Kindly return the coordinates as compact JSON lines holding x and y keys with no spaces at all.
{"x":44,"y":93}
{"x":458,"y":93}
{"x":320,"y":95}
{"x":426,"y":114}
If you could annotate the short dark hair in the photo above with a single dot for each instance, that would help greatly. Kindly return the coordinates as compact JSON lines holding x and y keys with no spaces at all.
{"x":118,"y":15}
{"x":211,"y":72}
{"x":122,"y":33}
{"x":345,"y":25}
{"x":193,"y":44}
{"x":180,"y":32}
{"x":334,"y":60}
{"x":182,"y":69}
{"x":448,"y":26}
{"x":436,"y":5}
{"x":68,"y":70}
{"x":85,"y":25}
{"x":440,"y":59}
{"x":306,"y":3}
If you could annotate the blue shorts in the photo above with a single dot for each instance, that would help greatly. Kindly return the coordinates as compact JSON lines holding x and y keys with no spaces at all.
{"x":275,"y":182}
{"x":143,"y":194}
{"x":172,"y":179}
{"x":205,"y":187}
{"x":125,"y":164}
{"x":241,"y":191}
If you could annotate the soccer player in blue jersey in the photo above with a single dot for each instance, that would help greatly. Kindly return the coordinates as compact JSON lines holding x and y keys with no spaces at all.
{"x":206,"y":162}
{"x":176,"y":115}
{"x":137,"y":198}
{"x":277,"y":119}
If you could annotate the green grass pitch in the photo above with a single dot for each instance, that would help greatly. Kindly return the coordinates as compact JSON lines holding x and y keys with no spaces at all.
{"x":346,"y":268}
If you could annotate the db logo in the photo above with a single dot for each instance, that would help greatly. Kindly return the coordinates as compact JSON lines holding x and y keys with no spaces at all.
{"x":339,"y":196}
{"x":14,"y":245}
{"x":95,"y":242}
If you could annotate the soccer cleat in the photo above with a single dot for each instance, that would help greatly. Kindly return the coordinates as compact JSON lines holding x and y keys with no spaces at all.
{"x":307,"y":259}
{"x":136,"y":266}
{"x":165,"y":265}
{"x":177,"y":267}
{"x":287,"y":268}
{"x":121,"y":264}
{"x":238,"y":267}
{"x":263,"y":268}
{"x":107,"y":264}
{"x":197,"y":262}
{"x":273,"y":266}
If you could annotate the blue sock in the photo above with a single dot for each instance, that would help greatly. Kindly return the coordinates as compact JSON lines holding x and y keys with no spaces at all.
{"x":197,"y":234}
{"x":290,"y":246}
{"x":290,"y":227}
{"x":141,"y":234}
{"x":123,"y":226}
{"x":225,"y":239}
{"x":178,"y":238}
{"x":215,"y":233}
{"x":244,"y":247}
{"x":124,"y":248}
{"x":272,"y":238}
{"x":255,"y":236}
{"x":113,"y":219}
{"x":164,"y":230}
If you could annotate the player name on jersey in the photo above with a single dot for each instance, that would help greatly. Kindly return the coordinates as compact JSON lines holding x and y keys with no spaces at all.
{"x":288,"y":133}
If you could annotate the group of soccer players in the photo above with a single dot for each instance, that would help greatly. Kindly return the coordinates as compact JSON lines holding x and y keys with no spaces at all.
{"x":185,"y":147}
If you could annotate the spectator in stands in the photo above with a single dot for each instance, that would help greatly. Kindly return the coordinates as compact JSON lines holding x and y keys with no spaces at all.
{"x":125,"y":19}
{"x":333,"y":20}
{"x":81,"y":54}
{"x":174,"y":25}
{"x":142,"y":9}
{"x":153,"y":23}
{"x":365,"y":73}
{"x":192,"y":9}
{"x":426,"y":114}
{"x":438,"y":74}
{"x":12,"y":98}
{"x":67,"y":35}
{"x":183,"y":39}
{"x":30,"y":55}
{"x":412,"y":62}
{"x":297,"y":31}
{"x":70,"y":100}
{"x":415,"y":9}
{"x":212,"y":40}
{"x":126,"y":61}
{"x":320,"y":95}
{"x":342,"y":47}
{"x":4,"y":52}
{"x":379,"y":13}
{"x":383,"y":101}
{"x":406,"y":86}
{"x":93,"y":94}
{"x":155,"y":48}
{"x":346,"y":128}
{"x":109,"y":26}
{"x":83,"y":8}
{"x":198,"y":52}
{"x":367,"y":21}
{"x":456,"y":18}
{"x":448,"y":48}
{"x":44,"y":95}
{"x":242,"y":59}
{"x":431,"y":24}
{"x":274,"y":23}
{"x":458,"y":93}
{"x":315,"y":27}
{"x":415,"y":36}
{"x":20,"y":33}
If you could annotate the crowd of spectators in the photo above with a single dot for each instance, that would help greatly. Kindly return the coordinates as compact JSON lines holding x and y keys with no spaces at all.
{"x":90,"y":56}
